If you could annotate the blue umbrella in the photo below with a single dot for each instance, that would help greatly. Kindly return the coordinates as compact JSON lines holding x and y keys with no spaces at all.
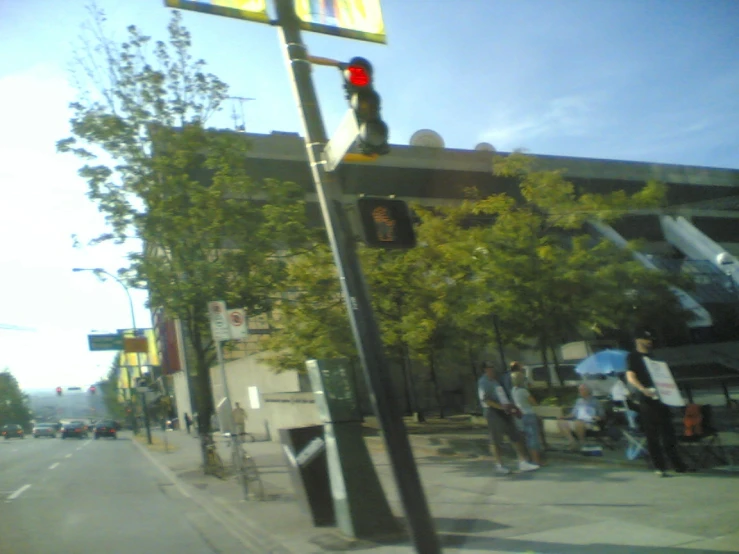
{"x":605,"y":361}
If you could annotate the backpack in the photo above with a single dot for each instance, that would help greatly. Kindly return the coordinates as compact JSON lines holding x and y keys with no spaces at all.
{"x":693,"y":420}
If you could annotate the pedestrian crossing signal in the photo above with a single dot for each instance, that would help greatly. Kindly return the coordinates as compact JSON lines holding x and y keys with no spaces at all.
{"x":386,"y":223}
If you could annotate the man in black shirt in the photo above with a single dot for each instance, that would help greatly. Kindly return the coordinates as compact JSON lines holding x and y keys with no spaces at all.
{"x":655,"y":416}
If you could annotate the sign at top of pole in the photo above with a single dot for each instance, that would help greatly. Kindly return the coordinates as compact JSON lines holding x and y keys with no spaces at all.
{"x":251,"y":10}
{"x":219,"y":326}
{"x":356,"y":19}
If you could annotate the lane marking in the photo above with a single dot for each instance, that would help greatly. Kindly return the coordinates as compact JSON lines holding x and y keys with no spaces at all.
{"x":19,"y":492}
{"x":68,"y":456}
{"x":55,"y":464}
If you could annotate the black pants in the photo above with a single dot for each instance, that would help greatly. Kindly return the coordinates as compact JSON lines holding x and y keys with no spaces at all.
{"x":657,"y":426}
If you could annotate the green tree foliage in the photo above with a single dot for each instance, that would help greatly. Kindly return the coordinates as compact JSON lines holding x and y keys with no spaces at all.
{"x":549,"y":278}
{"x":525,"y":266}
{"x":111,"y":393}
{"x":178,"y":190}
{"x":14,"y":407}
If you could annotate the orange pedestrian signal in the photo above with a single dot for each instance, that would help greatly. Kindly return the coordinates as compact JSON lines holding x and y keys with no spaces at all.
{"x":386,"y":223}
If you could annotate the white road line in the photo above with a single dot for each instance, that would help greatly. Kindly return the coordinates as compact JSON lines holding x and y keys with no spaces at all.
{"x":52,"y":466}
{"x":19,"y":492}
{"x":68,"y":456}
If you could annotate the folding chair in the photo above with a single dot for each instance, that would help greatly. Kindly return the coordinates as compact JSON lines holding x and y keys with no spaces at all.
{"x":606,"y":435}
{"x":700,"y":449}
{"x":636,"y":441}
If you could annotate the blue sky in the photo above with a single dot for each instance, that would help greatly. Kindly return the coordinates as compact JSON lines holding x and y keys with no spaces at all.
{"x":646,"y":80}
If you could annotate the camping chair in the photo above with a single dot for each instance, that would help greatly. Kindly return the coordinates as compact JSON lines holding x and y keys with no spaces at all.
{"x":607,"y":434}
{"x":700,"y":443}
{"x":636,"y":441}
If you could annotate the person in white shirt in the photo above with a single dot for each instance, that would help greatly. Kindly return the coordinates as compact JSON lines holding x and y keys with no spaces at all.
{"x":529,"y":420}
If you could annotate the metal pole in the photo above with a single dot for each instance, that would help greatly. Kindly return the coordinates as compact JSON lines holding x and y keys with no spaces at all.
{"x":146,"y":417}
{"x":354,"y":289}
{"x":228,"y":418}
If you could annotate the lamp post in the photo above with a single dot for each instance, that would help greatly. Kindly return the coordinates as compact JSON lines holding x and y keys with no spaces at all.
{"x":98,"y":271}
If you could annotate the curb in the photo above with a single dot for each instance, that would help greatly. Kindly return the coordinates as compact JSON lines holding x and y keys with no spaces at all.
{"x":240,"y":526}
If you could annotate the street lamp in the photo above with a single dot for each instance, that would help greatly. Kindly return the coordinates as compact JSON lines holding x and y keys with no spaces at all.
{"x":98,"y":271}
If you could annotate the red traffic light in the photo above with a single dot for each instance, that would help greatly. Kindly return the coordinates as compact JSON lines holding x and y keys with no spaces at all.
{"x":358,"y":73}
{"x":59,"y":391}
{"x":358,"y":76}
{"x":92,"y":389}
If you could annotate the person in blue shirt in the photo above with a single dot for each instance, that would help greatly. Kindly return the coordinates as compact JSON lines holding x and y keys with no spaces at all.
{"x":587,"y":413}
{"x":498,"y":409}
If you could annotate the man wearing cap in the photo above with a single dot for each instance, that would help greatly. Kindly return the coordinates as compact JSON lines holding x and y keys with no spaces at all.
{"x":497,"y":408}
{"x":655,"y":416}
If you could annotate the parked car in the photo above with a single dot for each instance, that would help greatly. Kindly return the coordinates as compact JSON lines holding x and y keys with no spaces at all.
{"x":75,"y":429}
{"x":106,"y":428}
{"x":44,"y":430}
{"x":12,"y":431}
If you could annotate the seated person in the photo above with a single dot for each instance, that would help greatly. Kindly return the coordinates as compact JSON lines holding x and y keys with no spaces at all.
{"x":586,"y":414}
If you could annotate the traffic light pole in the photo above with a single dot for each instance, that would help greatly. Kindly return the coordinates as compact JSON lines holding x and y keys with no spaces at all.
{"x":354,"y":288}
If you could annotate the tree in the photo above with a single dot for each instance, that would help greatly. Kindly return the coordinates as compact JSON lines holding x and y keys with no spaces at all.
{"x":14,"y":407}
{"x":551,"y":278}
{"x":111,"y":392}
{"x":174,"y":188}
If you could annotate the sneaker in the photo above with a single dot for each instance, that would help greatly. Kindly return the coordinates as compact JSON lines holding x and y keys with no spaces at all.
{"x":502,"y":470}
{"x":527,"y":466}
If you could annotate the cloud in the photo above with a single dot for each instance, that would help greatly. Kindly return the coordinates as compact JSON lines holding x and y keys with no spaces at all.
{"x":565,"y":116}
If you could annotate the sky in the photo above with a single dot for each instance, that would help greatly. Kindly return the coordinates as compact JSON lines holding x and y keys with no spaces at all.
{"x":642,"y":80}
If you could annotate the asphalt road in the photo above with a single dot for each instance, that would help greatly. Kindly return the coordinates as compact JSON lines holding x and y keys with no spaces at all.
{"x":81,"y":496}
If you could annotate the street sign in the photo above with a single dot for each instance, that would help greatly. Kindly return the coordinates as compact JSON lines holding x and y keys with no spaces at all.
{"x":105,"y":342}
{"x":357,"y":19}
{"x":251,"y":10}
{"x":342,"y":141}
{"x":237,"y":324}
{"x":138,"y":344}
{"x":219,"y":326}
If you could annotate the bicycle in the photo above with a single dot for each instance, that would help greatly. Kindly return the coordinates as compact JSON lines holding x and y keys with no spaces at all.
{"x":245,"y":467}
{"x":214,"y":464}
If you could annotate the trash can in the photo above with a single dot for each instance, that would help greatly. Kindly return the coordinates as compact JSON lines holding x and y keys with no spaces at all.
{"x":307,"y":464}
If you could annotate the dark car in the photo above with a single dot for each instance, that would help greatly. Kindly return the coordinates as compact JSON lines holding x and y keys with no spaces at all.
{"x":12,"y":431}
{"x":75,"y":429}
{"x":44,"y":430}
{"x":106,"y":428}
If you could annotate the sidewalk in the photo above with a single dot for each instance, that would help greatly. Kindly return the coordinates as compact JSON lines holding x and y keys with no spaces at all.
{"x":573,"y":505}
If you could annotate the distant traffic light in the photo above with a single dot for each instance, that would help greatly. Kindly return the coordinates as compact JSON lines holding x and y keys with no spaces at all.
{"x":386,"y":223}
{"x":92,"y":389}
{"x":364,"y":100}
{"x":59,"y":391}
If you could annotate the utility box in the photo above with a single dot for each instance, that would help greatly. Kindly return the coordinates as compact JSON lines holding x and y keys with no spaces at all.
{"x":305,"y":451}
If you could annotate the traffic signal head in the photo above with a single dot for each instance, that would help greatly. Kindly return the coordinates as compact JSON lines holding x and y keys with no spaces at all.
{"x":92,"y":389}
{"x":59,"y":391}
{"x":386,"y":223}
{"x":365,"y":102}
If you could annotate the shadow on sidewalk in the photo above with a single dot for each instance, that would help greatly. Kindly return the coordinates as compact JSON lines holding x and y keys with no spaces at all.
{"x":465,"y":542}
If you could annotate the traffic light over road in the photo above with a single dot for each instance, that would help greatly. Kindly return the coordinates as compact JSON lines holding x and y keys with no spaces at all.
{"x":364,"y":100}
{"x":92,"y":389}
{"x":59,"y":391}
{"x":386,"y":223}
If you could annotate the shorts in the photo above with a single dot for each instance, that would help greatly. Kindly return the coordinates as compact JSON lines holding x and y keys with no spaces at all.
{"x":531,"y":431}
{"x":500,"y":424}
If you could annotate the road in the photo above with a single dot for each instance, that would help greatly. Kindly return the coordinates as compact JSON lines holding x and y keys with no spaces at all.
{"x":80,"y":496}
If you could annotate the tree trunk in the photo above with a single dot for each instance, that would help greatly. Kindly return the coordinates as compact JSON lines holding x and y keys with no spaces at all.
{"x":555,"y":359}
{"x":203,"y":391}
{"x":435,"y":382}
{"x":410,"y":387}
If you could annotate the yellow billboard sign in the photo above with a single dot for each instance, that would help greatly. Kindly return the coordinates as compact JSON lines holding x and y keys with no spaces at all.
{"x":252,"y":10}
{"x":358,"y":19}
